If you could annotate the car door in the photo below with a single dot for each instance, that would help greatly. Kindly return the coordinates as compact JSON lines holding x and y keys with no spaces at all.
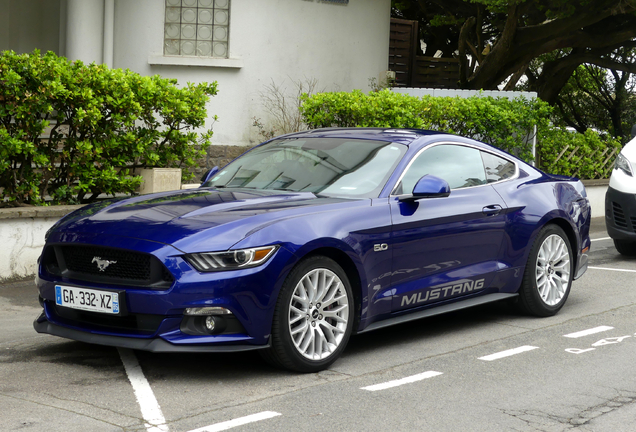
{"x":447,"y":247}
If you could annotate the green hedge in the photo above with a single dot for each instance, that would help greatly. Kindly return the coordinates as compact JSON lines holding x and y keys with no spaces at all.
{"x":506,"y":124}
{"x":589,"y":155}
{"x":109,"y":122}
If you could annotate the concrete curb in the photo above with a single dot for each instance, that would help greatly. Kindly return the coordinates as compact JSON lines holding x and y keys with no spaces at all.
{"x":37,"y":212}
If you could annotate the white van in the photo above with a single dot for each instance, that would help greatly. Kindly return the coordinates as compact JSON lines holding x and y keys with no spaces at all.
{"x":620,"y":201}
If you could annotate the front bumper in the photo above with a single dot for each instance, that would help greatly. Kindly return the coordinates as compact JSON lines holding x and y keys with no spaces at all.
{"x":43,"y":325}
{"x":154,"y":319}
{"x":620,"y":215}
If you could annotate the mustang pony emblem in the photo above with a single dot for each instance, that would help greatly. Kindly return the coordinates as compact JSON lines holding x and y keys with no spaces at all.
{"x":102,"y":264}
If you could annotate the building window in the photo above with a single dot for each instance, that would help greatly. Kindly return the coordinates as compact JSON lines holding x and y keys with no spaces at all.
{"x":197,"y":28}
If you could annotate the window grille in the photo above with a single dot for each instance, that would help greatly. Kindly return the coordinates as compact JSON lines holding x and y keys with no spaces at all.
{"x":197,"y":28}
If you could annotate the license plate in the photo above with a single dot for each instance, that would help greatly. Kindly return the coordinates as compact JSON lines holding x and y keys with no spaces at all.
{"x":87,"y":299}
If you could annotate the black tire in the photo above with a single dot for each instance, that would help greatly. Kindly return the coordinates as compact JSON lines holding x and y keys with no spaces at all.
{"x":542,"y":291}
{"x":625,"y":247}
{"x":320,"y":326}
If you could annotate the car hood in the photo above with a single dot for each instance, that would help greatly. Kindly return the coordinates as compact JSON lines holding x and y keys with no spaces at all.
{"x":196,"y":220}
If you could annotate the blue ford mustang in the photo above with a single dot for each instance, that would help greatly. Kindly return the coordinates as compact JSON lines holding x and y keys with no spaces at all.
{"x":311,"y":237}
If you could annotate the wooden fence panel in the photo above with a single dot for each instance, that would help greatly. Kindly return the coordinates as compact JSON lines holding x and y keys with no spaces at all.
{"x":605,"y":168}
{"x":413,"y":70}
{"x":402,"y":50}
{"x":431,"y":72}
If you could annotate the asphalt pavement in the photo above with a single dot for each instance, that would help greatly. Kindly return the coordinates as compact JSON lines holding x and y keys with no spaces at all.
{"x":484,"y":369}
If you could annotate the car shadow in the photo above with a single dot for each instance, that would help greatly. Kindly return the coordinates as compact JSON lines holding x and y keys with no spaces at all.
{"x":432,"y":327}
{"x":248,"y":365}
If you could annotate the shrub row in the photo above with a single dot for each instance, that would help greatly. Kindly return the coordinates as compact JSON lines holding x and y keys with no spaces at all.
{"x":72,"y":131}
{"x":506,"y":124}
{"x":589,"y":155}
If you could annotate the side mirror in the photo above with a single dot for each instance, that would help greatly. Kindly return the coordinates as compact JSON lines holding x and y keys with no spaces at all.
{"x":634,"y":131}
{"x":209,"y":174}
{"x":428,"y":186}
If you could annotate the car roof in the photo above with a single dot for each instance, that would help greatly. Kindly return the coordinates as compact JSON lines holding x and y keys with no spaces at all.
{"x":401,"y":136}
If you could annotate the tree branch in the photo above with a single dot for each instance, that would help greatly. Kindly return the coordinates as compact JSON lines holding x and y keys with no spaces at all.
{"x":514,"y":79}
{"x":551,"y":29}
{"x":462,"y":44}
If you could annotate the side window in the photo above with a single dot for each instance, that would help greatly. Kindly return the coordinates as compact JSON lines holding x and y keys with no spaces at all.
{"x":497,"y":168}
{"x":460,"y":166}
{"x":197,"y":28}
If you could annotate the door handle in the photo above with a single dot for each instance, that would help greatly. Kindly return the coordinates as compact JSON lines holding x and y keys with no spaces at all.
{"x":492,"y":210}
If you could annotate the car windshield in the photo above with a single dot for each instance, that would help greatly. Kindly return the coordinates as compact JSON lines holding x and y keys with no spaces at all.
{"x":326,"y":166}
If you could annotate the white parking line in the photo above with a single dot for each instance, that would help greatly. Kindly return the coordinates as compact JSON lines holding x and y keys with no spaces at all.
{"x":402,"y":381}
{"x":507,"y":353}
{"x":238,"y":422}
{"x":603,"y":238}
{"x":150,"y":409}
{"x":587,"y":332}
{"x":612,"y":269}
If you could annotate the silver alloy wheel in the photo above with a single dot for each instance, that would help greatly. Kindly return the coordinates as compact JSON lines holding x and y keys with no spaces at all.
{"x":553,"y":269}
{"x":318,"y":314}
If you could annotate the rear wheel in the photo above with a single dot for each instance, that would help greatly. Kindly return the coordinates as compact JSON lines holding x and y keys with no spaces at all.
{"x":625,"y":247}
{"x":548,"y":274}
{"x":313,"y":318}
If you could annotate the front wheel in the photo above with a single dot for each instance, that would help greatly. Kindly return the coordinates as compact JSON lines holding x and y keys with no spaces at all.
{"x":313,"y":318}
{"x":548,"y":275}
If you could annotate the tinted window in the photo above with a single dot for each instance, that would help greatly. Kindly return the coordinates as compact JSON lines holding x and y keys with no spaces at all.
{"x":460,"y":166}
{"x":329,"y":166}
{"x":497,"y":168}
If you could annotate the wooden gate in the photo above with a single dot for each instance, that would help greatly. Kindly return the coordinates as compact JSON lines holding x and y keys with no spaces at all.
{"x":403,"y":50}
{"x":413,"y":70}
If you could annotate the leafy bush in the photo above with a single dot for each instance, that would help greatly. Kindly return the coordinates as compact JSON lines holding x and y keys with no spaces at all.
{"x":108,"y":123}
{"x":506,"y":124}
{"x":587,"y":155}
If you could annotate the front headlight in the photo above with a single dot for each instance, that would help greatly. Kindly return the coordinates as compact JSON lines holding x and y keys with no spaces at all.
{"x":622,"y":163}
{"x":230,"y":260}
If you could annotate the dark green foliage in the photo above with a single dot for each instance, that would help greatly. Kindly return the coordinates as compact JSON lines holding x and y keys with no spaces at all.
{"x":496,"y":40}
{"x":603,"y":99}
{"x":588,"y":155}
{"x":108,"y":122}
{"x":506,"y":124}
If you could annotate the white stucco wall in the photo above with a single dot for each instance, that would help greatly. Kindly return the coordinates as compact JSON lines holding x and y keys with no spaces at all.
{"x":22,"y":241}
{"x":29,"y":24}
{"x":22,"y":231}
{"x":596,"y":194}
{"x":341,"y":46}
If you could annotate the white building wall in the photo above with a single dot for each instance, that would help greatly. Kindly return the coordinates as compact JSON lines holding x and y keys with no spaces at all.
{"x":85,"y":30}
{"x":29,"y":24}
{"x":341,"y":46}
